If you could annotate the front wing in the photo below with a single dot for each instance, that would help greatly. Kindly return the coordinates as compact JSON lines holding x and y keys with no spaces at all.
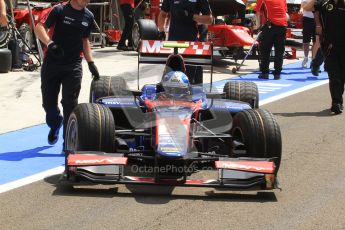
{"x":233,"y":173}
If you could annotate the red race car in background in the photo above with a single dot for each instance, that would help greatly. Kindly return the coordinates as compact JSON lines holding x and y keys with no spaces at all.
{"x":230,"y":36}
{"x":23,"y":21}
{"x":226,"y":37}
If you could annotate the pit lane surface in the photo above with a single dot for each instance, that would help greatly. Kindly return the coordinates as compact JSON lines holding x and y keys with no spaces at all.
{"x":311,"y":175}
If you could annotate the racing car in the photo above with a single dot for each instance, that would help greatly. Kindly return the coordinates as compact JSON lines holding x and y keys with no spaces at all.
{"x":172,"y":129}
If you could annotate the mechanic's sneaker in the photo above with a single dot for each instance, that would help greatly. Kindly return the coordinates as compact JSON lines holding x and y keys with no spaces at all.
{"x":53,"y":135}
{"x":337,"y":108}
{"x":263,"y":76}
{"x":305,"y":62}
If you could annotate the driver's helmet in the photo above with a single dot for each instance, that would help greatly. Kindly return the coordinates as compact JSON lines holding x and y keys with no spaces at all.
{"x":176,"y":77}
{"x":176,"y":83}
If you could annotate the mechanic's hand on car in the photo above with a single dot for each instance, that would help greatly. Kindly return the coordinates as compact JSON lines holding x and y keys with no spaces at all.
{"x":55,"y":50}
{"x":94,"y":71}
{"x":161,"y":35}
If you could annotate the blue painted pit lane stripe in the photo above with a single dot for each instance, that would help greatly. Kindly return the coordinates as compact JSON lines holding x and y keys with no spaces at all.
{"x":26,"y":157}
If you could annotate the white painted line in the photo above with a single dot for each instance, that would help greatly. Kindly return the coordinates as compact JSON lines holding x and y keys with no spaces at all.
{"x":31,"y":179}
{"x":292,"y":92}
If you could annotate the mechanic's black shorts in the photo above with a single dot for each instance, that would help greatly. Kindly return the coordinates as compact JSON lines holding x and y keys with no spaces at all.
{"x":308,"y":30}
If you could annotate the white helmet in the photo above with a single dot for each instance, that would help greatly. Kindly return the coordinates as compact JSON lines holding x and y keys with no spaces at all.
{"x":177,"y":77}
{"x":176,"y":83}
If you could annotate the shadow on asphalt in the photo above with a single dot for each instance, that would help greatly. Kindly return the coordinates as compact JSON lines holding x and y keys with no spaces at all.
{"x":322,"y":113}
{"x":147,"y":194}
{"x":26,"y":154}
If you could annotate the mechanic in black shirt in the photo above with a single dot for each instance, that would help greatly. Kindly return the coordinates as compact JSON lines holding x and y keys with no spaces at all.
{"x":330,"y":24}
{"x":67,"y":42}
{"x":185,"y":15}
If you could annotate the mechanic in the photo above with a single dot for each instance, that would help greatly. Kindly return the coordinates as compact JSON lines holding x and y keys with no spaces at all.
{"x":127,"y":7}
{"x":308,"y":34}
{"x":330,"y":24}
{"x":3,"y":16}
{"x":185,"y":15}
{"x":274,"y":23}
{"x":67,"y":41}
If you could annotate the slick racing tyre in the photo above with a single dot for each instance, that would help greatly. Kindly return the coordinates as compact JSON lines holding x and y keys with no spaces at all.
{"x":5,"y":35}
{"x":107,"y":86}
{"x":143,"y":29}
{"x":6,"y":60}
{"x":126,"y":117}
{"x":90,"y":127}
{"x":244,"y":91}
{"x":260,"y":134}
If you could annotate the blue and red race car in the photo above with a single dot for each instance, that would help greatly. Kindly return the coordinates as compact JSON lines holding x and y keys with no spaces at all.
{"x":165,"y":132}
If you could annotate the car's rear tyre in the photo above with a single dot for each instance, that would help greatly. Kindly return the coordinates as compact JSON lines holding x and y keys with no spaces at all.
{"x":143,"y":29}
{"x":258,"y":130}
{"x":107,"y":86}
{"x":90,"y":127}
{"x":6,"y":60}
{"x":244,"y":91}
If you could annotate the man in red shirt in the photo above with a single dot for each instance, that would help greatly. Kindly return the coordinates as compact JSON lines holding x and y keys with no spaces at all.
{"x":127,"y":7}
{"x":272,"y":15}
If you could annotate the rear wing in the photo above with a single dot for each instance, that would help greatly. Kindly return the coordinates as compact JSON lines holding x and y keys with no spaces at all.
{"x":157,"y":52}
{"x":193,"y":53}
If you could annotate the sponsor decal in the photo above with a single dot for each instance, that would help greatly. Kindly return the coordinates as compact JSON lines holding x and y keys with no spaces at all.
{"x":84,"y":159}
{"x":68,"y":18}
{"x":101,"y":161}
{"x":169,"y":149}
{"x":329,"y":7}
{"x":195,"y":48}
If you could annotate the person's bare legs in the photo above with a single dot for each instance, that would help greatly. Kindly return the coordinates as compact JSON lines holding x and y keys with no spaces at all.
{"x":306,"y":53}
{"x":315,"y":47}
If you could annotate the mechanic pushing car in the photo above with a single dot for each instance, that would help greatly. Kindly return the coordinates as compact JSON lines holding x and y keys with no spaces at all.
{"x":274,"y":23}
{"x":185,"y":15}
{"x":67,"y":41}
{"x":330,"y":24}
